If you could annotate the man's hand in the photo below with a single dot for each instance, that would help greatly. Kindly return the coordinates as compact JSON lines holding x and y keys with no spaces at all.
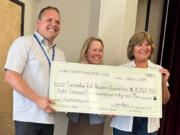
{"x":17,"y":82}
{"x":44,"y":104}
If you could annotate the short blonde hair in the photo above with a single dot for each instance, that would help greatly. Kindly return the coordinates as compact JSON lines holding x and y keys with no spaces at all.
{"x":138,"y":38}
{"x":86,"y":46}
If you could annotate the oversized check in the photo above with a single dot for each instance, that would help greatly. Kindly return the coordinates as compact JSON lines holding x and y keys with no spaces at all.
{"x":101,"y":89}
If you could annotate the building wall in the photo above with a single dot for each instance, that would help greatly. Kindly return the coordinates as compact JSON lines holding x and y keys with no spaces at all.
{"x":154,"y":20}
{"x":29,"y":22}
{"x":10,"y":26}
{"x":116,"y":24}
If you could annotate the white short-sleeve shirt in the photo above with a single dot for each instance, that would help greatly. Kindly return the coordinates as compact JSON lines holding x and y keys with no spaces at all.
{"x":27,"y":58}
{"x":125,"y":123}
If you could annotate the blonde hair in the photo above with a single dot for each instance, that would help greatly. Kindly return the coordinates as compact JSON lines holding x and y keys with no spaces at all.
{"x":138,"y":38}
{"x":86,"y":46}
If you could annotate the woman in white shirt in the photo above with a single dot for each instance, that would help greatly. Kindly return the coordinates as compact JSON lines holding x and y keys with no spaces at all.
{"x":139,"y":51}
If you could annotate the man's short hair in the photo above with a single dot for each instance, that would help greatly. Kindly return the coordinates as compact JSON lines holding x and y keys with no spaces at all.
{"x":47,"y":8}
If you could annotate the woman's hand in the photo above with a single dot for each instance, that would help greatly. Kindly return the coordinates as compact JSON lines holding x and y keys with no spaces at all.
{"x":84,"y":62}
{"x":165,"y":74}
{"x":165,"y":91}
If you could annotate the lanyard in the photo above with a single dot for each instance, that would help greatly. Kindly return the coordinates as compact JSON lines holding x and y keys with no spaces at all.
{"x":49,"y":62}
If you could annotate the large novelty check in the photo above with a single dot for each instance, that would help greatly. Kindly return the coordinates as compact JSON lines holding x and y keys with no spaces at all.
{"x":101,"y":89}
